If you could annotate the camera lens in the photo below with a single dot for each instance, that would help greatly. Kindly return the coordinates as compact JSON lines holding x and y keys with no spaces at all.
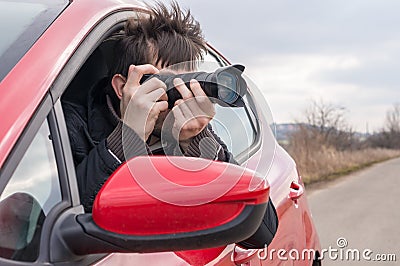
{"x":227,"y":87}
{"x":226,"y":84}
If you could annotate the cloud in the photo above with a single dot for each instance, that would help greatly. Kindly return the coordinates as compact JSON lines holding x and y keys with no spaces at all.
{"x":378,"y":70}
{"x":295,"y":26}
{"x":291,"y":81}
{"x":347,"y":52}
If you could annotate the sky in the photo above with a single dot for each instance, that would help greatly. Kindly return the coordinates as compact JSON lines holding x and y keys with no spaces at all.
{"x":345,"y":53}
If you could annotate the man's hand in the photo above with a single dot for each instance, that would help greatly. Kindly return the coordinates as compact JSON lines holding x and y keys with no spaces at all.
{"x":192,"y":113}
{"x":141,"y":104}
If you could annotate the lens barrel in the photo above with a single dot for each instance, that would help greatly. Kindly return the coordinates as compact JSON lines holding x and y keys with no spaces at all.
{"x":226,"y":84}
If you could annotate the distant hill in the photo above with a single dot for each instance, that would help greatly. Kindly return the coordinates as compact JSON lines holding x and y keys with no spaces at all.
{"x":283,"y":131}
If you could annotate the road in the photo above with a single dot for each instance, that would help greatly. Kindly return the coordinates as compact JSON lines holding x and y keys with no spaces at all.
{"x":364,"y":209}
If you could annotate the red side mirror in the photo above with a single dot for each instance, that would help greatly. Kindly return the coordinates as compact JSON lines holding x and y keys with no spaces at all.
{"x":173,"y":196}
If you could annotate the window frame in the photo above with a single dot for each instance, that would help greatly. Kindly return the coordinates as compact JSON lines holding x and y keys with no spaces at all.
{"x":94,"y":38}
{"x":43,"y":113}
{"x":24,"y":141}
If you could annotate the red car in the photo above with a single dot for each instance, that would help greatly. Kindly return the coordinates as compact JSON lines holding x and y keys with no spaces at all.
{"x":53,"y":50}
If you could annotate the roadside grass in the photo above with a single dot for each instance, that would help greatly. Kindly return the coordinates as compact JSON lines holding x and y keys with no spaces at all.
{"x":327,"y":163}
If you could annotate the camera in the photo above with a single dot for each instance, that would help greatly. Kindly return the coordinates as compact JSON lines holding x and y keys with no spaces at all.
{"x":224,"y":86}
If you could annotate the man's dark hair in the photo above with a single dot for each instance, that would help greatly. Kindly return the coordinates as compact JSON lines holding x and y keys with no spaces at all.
{"x":164,"y":36}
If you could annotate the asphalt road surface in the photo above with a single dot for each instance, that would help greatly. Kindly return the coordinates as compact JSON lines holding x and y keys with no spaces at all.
{"x":360,"y":211}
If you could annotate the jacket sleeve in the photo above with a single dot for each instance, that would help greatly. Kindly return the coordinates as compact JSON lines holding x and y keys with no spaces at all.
{"x":95,"y":162}
{"x":208,"y":145}
{"x":93,"y":171}
{"x":265,"y":232}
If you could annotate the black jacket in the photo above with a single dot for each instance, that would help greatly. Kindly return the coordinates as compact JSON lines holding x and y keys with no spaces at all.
{"x":95,"y":133}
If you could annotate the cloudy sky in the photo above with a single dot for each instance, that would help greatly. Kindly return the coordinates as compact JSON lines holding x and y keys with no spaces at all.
{"x":342,"y":52}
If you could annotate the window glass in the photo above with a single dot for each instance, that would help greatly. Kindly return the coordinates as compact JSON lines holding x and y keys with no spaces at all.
{"x":31,"y":192}
{"x":27,"y":15}
{"x":232,"y":124}
{"x":21,"y":24}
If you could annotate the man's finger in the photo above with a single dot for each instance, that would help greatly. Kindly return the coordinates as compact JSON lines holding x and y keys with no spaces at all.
{"x":185,"y":109}
{"x":151,"y":85}
{"x":178,"y":115}
{"x":202,"y":100}
{"x":193,"y":107}
{"x":182,"y":89}
{"x":135,"y":73}
{"x":178,"y":102}
{"x":161,"y":106}
{"x":196,"y":88}
{"x":158,"y":94}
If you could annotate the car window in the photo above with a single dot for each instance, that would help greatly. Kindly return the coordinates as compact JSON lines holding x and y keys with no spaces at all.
{"x":29,"y":195}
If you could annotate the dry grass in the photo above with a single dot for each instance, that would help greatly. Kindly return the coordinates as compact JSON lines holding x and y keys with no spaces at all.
{"x":324,"y":163}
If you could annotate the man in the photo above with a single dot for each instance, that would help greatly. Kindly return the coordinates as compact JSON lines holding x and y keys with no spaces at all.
{"x":123,"y":106}
{"x":151,"y":43}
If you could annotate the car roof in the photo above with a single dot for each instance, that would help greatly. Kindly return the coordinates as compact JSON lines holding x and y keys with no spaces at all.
{"x":25,"y":86}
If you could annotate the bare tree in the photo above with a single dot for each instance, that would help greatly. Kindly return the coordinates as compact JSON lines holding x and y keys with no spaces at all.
{"x":328,"y":123}
{"x":392,"y":127}
{"x":324,"y":115}
{"x":389,"y":136}
{"x":393,"y":119}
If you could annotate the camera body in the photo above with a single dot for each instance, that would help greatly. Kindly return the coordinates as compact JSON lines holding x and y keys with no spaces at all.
{"x":225,"y":86}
